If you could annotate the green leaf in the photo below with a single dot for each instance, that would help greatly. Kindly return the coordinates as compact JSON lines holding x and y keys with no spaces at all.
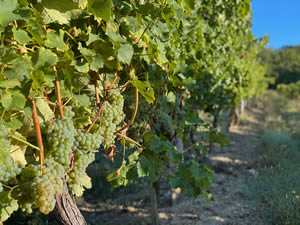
{"x":125,"y":53}
{"x":13,"y":100}
{"x":7,"y":205}
{"x":174,"y":156}
{"x":44,"y":109}
{"x":55,"y":40}
{"x":43,"y":58}
{"x":81,"y":66}
{"x":14,"y":124}
{"x":85,"y":51}
{"x":59,"y":11}
{"x":97,"y":63}
{"x":8,"y":11}
{"x":192,"y":119}
{"x":148,"y":165}
{"x":10,"y":83}
{"x":86,"y":181}
{"x":100,"y":8}
{"x":114,"y":36}
{"x":200,"y":171}
{"x":142,"y":171}
{"x":145,"y":89}
{"x":36,"y":32}
{"x":19,"y":69}
{"x":171,"y":97}
{"x":7,"y":55}
{"x":17,"y":153}
{"x":20,"y":35}
{"x":83,"y":99}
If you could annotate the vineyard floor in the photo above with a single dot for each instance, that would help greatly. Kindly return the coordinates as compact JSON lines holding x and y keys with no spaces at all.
{"x":230,"y":205}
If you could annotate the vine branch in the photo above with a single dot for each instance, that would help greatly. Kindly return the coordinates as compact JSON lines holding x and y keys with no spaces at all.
{"x":129,"y":139}
{"x":38,"y":131}
{"x":61,"y":112}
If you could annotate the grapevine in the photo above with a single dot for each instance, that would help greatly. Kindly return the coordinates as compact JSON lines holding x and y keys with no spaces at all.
{"x":76,"y":78}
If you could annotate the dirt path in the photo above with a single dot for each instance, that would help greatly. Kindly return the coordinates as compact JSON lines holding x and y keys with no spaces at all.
{"x":232,"y":166}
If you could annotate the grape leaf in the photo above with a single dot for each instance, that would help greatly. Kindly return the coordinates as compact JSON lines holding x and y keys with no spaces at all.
{"x":18,"y":154}
{"x":8,"y":11}
{"x":97,"y":63}
{"x":59,"y":11}
{"x":13,"y":101}
{"x":125,"y":53}
{"x":81,"y":66}
{"x":19,"y":69}
{"x":43,"y":58}
{"x":7,"y":205}
{"x":10,"y":83}
{"x":83,"y":99}
{"x":44,"y":109}
{"x":100,"y":8}
{"x":55,"y":40}
{"x":145,"y":89}
{"x":20,"y":35}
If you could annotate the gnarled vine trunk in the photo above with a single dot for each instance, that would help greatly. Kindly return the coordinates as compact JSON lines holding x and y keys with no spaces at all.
{"x":66,"y":210}
{"x":154,"y":199}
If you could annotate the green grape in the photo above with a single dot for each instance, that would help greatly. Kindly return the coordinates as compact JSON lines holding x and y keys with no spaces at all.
{"x":112,"y":116}
{"x":40,"y":186}
{"x":8,"y":168}
{"x":81,"y":162}
{"x":61,"y":137}
{"x":87,"y":142}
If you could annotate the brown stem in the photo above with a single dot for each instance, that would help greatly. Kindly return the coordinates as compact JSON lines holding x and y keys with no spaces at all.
{"x":123,"y":88}
{"x":96,"y":89}
{"x":129,"y":139}
{"x":97,"y":116}
{"x":38,"y":131}
{"x":61,"y":112}
{"x":134,"y":113}
{"x":114,"y":81}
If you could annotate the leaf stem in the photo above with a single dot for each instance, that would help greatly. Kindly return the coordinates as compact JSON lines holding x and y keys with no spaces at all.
{"x":129,"y":139}
{"x":6,"y":187}
{"x":25,"y":142}
{"x":2,"y":114}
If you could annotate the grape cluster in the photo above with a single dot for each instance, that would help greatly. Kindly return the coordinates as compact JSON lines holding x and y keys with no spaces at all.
{"x":162,"y":124}
{"x":87,"y":142}
{"x":8,"y":168}
{"x":112,"y":115}
{"x":61,"y":137}
{"x":41,"y":185}
{"x":81,"y":162}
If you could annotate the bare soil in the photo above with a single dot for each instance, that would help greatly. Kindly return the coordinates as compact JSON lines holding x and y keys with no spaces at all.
{"x":229,"y":206}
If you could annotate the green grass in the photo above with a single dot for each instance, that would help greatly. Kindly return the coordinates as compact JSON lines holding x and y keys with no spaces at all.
{"x":276,"y":188}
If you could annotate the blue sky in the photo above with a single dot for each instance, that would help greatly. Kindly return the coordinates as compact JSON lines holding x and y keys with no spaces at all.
{"x":280,"y":19}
